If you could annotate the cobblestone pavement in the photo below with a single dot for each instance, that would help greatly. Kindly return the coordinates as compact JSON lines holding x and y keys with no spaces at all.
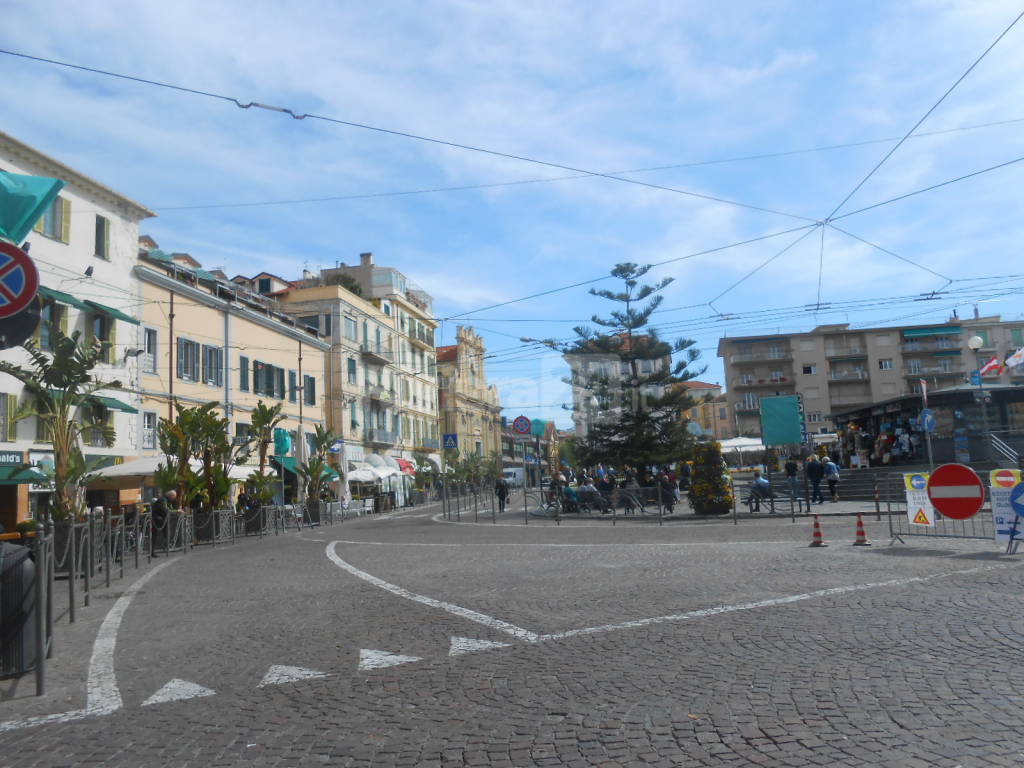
{"x":685,"y":645}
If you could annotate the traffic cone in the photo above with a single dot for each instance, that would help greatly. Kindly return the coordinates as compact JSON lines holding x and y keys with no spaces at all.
{"x":817,"y":540}
{"x":862,"y":537}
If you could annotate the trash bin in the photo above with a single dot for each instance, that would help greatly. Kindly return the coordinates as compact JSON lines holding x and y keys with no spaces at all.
{"x":17,"y":610}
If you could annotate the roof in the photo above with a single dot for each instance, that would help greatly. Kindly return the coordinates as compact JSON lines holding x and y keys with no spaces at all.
{"x":700,"y":385}
{"x":447,"y":354}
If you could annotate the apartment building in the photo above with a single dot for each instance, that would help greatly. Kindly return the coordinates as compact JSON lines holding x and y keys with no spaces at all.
{"x":709,"y":417}
{"x":836,"y":367}
{"x":470,"y":407}
{"x":84,"y":249}
{"x":205,"y":338}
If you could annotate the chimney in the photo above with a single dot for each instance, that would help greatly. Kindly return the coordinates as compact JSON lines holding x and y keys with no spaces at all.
{"x":976,"y":315}
{"x":366,"y":259}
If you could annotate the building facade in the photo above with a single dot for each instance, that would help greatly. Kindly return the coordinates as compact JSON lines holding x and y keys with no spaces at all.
{"x":84,"y":248}
{"x":470,"y":407}
{"x":205,"y":339}
{"x":709,"y":415}
{"x":836,"y":368}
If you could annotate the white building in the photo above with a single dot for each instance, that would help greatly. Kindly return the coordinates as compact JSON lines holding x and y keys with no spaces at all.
{"x":84,"y":248}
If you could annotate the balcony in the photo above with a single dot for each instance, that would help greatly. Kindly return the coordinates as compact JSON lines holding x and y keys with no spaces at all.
{"x":766,"y":355}
{"x":841,"y":376}
{"x":430,"y":443}
{"x":748,"y":408}
{"x":381,"y":394}
{"x":934,"y":372}
{"x":949,"y":347}
{"x":850,"y":353}
{"x":849,"y":401}
{"x":376,"y":353}
{"x":777,"y":381}
{"x":422,"y":338}
{"x":381,"y":436}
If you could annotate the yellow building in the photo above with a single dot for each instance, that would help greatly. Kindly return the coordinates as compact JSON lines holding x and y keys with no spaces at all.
{"x":470,"y":408}
{"x":206,"y":338}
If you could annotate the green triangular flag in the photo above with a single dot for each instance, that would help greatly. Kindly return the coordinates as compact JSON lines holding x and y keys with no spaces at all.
{"x":23,"y":199}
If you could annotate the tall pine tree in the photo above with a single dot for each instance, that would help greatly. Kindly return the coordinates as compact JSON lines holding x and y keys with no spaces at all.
{"x":630,"y":379}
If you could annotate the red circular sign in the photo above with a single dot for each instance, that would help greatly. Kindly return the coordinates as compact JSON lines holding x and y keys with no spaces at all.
{"x":521,"y":425}
{"x":1005,"y":478}
{"x":956,"y":491}
{"x":19,"y":279}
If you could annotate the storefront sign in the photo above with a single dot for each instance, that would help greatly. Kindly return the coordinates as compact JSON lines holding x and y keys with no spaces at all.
{"x":8,"y":458}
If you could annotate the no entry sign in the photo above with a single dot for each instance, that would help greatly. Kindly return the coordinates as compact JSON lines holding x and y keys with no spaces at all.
{"x":1004,"y":478}
{"x":19,"y":279}
{"x":956,"y":491}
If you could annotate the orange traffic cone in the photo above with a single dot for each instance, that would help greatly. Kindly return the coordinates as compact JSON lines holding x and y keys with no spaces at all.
{"x":862,"y":537}
{"x":817,"y":540}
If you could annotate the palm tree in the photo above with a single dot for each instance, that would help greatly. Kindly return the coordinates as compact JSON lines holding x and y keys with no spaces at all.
{"x":264,"y":419}
{"x":60,"y":385}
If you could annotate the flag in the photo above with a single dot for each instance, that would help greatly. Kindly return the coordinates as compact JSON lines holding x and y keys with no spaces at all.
{"x":1017,"y":358}
{"x":990,"y":366}
{"x":924,"y":391}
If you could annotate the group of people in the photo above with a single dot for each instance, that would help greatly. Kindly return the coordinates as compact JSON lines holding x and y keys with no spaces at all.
{"x":815,"y":470}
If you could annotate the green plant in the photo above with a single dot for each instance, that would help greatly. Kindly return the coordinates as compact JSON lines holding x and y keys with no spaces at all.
{"x":59,"y":386}
{"x":264,"y":419}
{"x":710,"y":489}
{"x":26,"y":526}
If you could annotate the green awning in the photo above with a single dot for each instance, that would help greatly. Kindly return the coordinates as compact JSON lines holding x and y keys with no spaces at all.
{"x":20,"y":475}
{"x":112,"y":312}
{"x":287,"y":462}
{"x":944,"y":330}
{"x":112,"y":404}
{"x":63,"y":298}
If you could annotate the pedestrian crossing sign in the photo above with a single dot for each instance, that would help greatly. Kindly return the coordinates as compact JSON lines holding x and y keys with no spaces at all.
{"x":451,"y":441}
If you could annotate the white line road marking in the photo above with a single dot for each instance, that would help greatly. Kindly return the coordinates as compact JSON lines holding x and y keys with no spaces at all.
{"x":616,"y":545}
{"x":955,"y":491}
{"x":457,"y":610}
{"x":461,"y":645}
{"x":178,"y":690}
{"x":278,"y":674}
{"x":703,"y":612}
{"x":371,"y":659}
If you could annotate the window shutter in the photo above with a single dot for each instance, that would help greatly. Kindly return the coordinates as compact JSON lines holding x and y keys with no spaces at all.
{"x":106,"y":238}
{"x":293,"y":387}
{"x":243,"y":373}
{"x":40,"y":224}
{"x":181,"y":358}
{"x":112,"y":342}
{"x":65,"y":220}
{"x":221,"y":357}
{"x":63,"y":318}
{"x":11,"y":426}
{"x":280,"y":383}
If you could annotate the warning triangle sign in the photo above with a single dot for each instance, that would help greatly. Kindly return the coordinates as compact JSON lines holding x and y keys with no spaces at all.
{"x":921,"y":518}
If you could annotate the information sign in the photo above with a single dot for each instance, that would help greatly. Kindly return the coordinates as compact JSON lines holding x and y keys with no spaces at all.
{"x":1003,"y":482}
{"x":928,"y":420}
{"x":919,"y":507}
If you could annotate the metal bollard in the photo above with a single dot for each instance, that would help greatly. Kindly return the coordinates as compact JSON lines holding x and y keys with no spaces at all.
{"x":878,"y":504}
{"x":87,"y":565}
{"x":38,"y":547}
{"x":108,"y":531}
{"x":72,"y":560}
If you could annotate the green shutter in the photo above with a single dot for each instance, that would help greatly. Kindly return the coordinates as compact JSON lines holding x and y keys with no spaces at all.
{"x":111,"y":352}
{"x":63,"y":318}
{"x":65,"y":220}
{"x":11,"y":426}
{"x":106,"y":239}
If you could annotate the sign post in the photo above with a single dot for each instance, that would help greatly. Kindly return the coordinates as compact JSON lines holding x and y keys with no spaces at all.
{"x":928,"y":425}
{"x":956,"y":491}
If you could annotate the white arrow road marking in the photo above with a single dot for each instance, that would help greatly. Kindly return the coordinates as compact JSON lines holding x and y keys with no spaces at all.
{"x":371,"y":659}
{"x":277,"y":675}
{"x":177,"y":690}
{"x":461,"y":645}
{"x":458,"y":610}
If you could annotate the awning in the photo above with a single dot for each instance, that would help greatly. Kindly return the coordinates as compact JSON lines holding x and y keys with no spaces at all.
{"x":111,"y":312}
{"x":287,"y":462}
{"x":945,"y":330}
{"x":20,"y":475}
{"x":407,"y":466}
{"x":63,"y":298}
{"x":362,"y":476}
{"x":112,"y":404}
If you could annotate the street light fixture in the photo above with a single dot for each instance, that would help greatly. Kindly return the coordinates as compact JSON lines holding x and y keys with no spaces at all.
{"x":975,"y":343}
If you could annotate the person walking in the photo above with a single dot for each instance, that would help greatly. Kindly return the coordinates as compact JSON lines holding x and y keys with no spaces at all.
{"x":501,"y":491}
{"x":668,"y":491}
{"x":814,"y":473}
{"x":161,"y":511}
{"x":791,"y":475}
{"x":831,"y":472}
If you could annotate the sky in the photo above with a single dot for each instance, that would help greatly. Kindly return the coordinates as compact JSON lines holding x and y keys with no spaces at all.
{"x":704,"y":87}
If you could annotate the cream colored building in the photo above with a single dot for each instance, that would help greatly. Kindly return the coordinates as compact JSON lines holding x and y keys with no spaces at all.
{"x":470,"y":407}
{"x":206,"y":338}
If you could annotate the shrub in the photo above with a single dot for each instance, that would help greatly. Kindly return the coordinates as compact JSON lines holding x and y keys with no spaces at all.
{"x":710,"y":490}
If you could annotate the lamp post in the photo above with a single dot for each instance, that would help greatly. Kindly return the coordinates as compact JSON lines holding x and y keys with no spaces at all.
{"x":975,"y":343}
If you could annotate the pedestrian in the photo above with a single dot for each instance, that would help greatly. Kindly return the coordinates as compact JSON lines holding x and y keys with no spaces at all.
{"x":791,"y":475}
{"x":501,"y":491}
{"x":243,"y":502}
{"x":815,"y":472}
{"x":685,"y":475}
{"x":160,"y":515}
{"x":831,"y":472}
{"x":668,"y":492}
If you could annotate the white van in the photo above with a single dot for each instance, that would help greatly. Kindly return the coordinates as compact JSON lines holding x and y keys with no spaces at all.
{"x":514,"y":476}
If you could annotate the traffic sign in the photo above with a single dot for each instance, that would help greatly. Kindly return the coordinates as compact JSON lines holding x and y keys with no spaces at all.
{"x":450,"y":441}
{"x":1017,"y":499}
{"x":928,"y":420}
{"x":918,"y":482}
{"x":975,"y":378}
{"x":19,"y":279}
{"x":521,"y":425}
{"x":1004,"y":478}
{"x":956,"y":491}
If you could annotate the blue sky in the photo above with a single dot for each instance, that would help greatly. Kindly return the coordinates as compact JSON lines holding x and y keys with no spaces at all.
{"x":601,"y":86}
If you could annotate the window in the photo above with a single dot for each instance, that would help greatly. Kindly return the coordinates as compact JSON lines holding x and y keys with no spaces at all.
{"x":8,"y":426}
{"x":52,"y":315}
{"x":149,"y":429}
{"x":94,"y":419}
{"x":243,"y":373}
{"x":351,"y":333}
{"x":722,"y":413}
{"x":883,"y":339}
{"x":885,"y":364}
{"x":983,"y":333}
{"x":351,"y":370}
{"x":56,"y":221}
{"x":387,"y":309}
{"x":1017,"y":337}
{"x":279,"y":383}
{"x":188,"y":360}
{"x":311,"y":321}
{"x":810,"y":370}
{"x":101,"y":328}
{"x":813,"y":418}
{"x":309,"y":390}
{"x":353,"y":423}
{"x":913,"y":366}
{"x":293,"y":386}
{"x":242,"y":433}
{"x":327,"y":324}
{"x":263,"y":285}
{"x":149,"y":350}
{"x":102,"y":238}
{"x":646,"y":366}
{"x":213,"y":365}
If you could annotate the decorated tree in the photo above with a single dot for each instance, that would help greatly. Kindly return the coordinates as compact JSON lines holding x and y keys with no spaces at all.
{"x":710,"y":489}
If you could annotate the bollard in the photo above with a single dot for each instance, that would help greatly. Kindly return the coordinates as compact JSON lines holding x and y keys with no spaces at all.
{"x":107,"y":520}
{"x":135,"y":529}
{"x":38,"y":547}
{"x":878,"y":504}
{"x":120,"y":544}
{"x":50,"y":568}
{"x":87,"y":565}
{"x":72,"y":560}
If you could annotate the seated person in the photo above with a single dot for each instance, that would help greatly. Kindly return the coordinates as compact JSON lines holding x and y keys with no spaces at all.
{"x":570,"y":499}
{"x":760,"y":488}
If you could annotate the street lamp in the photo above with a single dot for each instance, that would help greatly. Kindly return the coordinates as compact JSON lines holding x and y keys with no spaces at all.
{"x":976,"y":343}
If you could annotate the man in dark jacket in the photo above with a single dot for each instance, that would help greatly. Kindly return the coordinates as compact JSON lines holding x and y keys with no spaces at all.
{"x":161,"y":509}
{"x":501,"y":491}
{"x":814,"y":474}
{"x":791,"y":471}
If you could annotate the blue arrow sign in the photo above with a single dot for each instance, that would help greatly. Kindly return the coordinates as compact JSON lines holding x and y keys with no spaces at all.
{"x":1017,"y":499}
{"x":928,"y":420}
{"x":918,"y":482}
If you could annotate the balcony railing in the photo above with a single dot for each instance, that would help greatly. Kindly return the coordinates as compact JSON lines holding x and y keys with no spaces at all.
{"x":770,"y":381}
{"x":376,"y":353}
{"x":748,"y":407}
{"x":846,"y":352}
{"x":423,"y":337}
{"x":381,"y":436}
{"x":849,"y":376}
{"x":382,"y":394}
{"x":933,"y":346}
{"x":933,"y":371}
{"x":430,"y":443}
{"x":771,"y":354}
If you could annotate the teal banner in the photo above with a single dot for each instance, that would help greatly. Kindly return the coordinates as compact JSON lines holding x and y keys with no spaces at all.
{"x":782,"y":420}
{"x":23,"y":199}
